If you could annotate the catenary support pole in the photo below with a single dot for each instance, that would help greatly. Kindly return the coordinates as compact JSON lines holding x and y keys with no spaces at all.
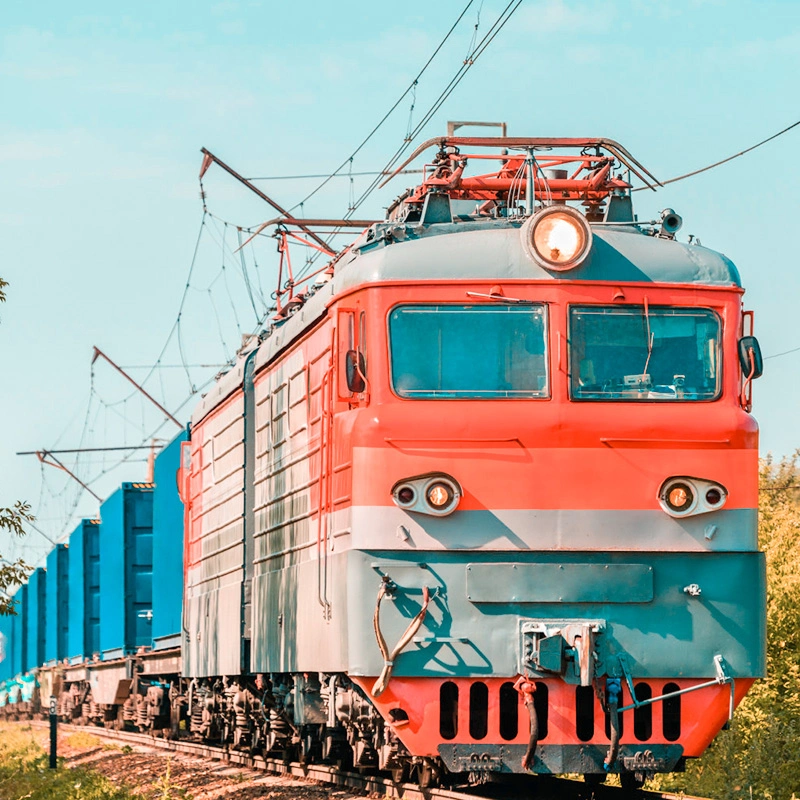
{"x":53,"y":732}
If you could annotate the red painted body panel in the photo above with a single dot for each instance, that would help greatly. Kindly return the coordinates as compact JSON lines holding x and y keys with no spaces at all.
{"x":703,"y":713}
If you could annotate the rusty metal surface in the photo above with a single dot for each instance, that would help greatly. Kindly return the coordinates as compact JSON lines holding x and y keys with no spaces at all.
{"x":111,"y":682}
{"x":162,"y":662}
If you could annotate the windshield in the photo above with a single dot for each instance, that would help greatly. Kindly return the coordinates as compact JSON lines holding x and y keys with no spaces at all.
{"x":468,"y":351}
{"x":635,"y":353}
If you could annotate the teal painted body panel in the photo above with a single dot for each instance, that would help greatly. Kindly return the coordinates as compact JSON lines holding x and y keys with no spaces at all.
{"x":126,"y":573}
{"x":35,"y":617}
{"x":674,"y":635}
{"x":57,"y":621}
{"x":290,"y":632}
{"x":167,"y":544}
{"x":28,"y":684}
{"x":559,"y":583}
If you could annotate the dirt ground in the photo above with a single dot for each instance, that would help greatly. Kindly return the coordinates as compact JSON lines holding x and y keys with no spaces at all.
{"x":162,"y":775}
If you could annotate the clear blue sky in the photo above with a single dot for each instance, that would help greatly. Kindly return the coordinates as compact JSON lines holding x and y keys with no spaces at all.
{"x":104,"y":111}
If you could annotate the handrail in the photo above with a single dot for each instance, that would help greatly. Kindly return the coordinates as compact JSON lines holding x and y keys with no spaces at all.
{"x":534,"y":141}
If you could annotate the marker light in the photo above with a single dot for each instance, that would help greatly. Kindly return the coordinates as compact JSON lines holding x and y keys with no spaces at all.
{"x":557,"y":237}
{"x":682,"y":496}
{"x":406,"y":495}
{"x":434,"y":493}
{"x":439,"y":495}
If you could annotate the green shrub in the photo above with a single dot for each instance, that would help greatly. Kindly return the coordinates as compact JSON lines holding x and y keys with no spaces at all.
{"x":24,"y":773}
{"x":759,"y":757}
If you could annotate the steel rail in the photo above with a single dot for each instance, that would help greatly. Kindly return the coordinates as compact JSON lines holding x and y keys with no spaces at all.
{"x":373,"y":785}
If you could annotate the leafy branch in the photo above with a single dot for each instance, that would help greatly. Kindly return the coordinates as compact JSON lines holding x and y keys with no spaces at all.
{"x":13,"y":573}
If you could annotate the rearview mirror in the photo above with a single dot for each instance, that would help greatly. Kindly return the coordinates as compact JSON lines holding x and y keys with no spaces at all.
{"x":750,"y":357}
{"x":355,"y":370}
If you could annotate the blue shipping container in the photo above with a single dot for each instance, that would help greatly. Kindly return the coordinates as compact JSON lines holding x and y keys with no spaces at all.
{"x":6,"y":633}
{"x":19,"y":639}
{"x":83,"y":636}
{"x":35,"y":615}
{"x":168,"y":547}
{"x":126,"y":574}
{"x":55,"y":644}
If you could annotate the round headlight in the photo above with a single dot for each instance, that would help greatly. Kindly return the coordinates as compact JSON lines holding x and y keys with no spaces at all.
{"x":679,"y":497}
{"x":557,"y":237}
{"x":439,"y":495}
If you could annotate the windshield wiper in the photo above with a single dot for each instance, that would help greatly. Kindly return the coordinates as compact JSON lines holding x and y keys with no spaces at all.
{"x":650,"y":336}
{"x":501,"y":298}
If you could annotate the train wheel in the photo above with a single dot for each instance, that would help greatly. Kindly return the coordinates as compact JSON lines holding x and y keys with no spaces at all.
{"x":174,"y":722}
{"x":427,"y":775}
{"x":400,"y":774}
{"x":630,"y":780}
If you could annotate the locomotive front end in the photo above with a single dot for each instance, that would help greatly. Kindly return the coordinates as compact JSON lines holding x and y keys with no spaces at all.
{"x":553,"y":482}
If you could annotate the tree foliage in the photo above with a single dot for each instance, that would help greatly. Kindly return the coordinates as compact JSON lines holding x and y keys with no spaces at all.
{"x":759,"y":757}
{"x":12,"y":573}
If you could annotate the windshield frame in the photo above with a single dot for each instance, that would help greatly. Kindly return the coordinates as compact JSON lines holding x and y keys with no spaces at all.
{"x":539,"y":305}
{"x":645,"y":309}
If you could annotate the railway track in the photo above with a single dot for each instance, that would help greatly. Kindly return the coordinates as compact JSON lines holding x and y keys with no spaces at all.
{"x":540,"y":787}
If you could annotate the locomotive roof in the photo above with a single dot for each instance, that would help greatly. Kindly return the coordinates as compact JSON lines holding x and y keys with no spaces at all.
{"x":493,"y":250}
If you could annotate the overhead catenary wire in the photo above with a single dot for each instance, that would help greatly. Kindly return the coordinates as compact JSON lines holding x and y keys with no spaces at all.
{"x":724,"y":160}
{"x":499,"y":23}
{"x":784,"y":353}
{"x":411,"y":87}
{"x":64,"y":497}
{"x":502,"y":19}
{"x":317,"y":175}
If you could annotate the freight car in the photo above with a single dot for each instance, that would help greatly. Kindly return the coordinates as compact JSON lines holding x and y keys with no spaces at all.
{"x":108,"y":637}
{"x":508,"y":432}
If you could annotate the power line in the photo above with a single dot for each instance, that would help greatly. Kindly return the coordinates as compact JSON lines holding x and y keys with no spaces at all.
{"x":474,"y":54}
{"x":784,"y":353}
{"x":386,"y":116}
{"x":172,"y":366}
{"x":724,"y":160}
{"x":504,"y":16}
{"x":326,"y":175}
{"x":86,"y":450}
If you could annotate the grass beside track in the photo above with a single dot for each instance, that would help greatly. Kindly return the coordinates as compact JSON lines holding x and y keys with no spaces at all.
{"x":24,"y":773}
